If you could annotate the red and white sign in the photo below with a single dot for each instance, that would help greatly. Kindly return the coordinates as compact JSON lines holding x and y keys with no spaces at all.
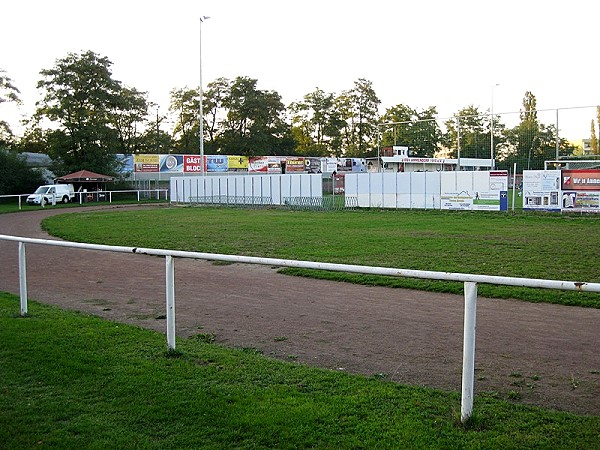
{"x":581,"y":180}
{"x":258,"y":164}
{"x":193,"y":163}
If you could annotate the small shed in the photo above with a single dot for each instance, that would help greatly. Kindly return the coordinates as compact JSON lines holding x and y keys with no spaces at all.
{"x":86,"y":181}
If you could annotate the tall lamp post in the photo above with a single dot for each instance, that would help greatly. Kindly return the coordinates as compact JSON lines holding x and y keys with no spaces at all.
{"x":492,"y":161}
{"x":202,"y":19}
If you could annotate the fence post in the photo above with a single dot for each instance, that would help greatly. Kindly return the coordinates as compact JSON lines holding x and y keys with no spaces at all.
{"x":170,"y":295}
{"x":23,"y":278}
{"x":468,"y":375}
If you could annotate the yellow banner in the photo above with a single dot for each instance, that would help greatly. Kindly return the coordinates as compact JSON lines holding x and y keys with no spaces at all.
{"x":237,"y":162}
{"x":145,"y":159}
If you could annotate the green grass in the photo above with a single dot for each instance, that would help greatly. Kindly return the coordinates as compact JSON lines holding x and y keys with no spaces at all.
{"x":530,"y":245}
{"x":68,"y":380}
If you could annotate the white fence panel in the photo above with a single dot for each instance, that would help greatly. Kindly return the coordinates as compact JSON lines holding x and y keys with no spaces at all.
{"x":389,"y":189}
{"x":376,"y":188}
{"x":403,"y":193}
{"x":276,"y":193}
{"x":434,"y":185}
{"x":363,"y":193}
{"x":418,"y":189}
{"x":224,"y":186}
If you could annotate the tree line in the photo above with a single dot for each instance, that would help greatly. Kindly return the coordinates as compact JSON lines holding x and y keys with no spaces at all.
{"x":85,"y":117}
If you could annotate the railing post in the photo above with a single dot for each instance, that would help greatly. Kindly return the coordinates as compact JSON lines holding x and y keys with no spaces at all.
{"x":23,"y":278}
{"x":468,"y":375}
{"x":170,"y":283}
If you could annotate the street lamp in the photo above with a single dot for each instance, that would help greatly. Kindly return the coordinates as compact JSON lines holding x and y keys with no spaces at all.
{"x":492,"y":162}
{"x":202,"y":19}
{"x":157,"y":128}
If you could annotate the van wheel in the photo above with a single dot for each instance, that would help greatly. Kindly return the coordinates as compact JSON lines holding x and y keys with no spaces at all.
{"x":46,"y":201}
{"x":66,"y":199}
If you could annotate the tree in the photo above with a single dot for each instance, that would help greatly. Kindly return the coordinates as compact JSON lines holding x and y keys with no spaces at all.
{"x":8,"y":93}
{"x":469,"y":129}
{"x":215,"y":113}
{"x":593,"y":139}
{"x":15,"y":176}
{"x":598,"y":122}
{"x":184,"y":104}
{"x":317,"y":124}
{"x":127,"y":117}
{"x":417,"y":130}
{"x":254,"y":123}
{"x":93,"y":116}
{"x":359,"y":108}
{"x":531,"y":143}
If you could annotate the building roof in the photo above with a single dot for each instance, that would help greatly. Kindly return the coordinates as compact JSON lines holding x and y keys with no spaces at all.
{"x":85,"y":175}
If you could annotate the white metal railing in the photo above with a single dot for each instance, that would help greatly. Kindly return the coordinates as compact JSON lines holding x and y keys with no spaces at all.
{"x":470,"y":289}
{"x":99,"y":196}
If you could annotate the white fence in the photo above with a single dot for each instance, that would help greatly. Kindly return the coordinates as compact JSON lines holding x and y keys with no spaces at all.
{"x":95,"y":196}
{"x":470,"y":289}
{"x":247,"y":189}
{"x":428,"y":190}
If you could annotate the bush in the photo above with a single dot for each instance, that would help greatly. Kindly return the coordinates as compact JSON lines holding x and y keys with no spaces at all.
{"x":15,"y":176}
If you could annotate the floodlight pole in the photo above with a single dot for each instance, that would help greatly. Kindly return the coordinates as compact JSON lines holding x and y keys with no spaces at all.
{"x":202,"y":19}
{"x":492,"y":163}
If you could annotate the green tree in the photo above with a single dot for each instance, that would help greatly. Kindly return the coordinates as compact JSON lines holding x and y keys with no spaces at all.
{"x":359,"y":108}
{"x":598,"y":122}
{"x":469,"y":129}
{"x":317,"y":124}
{"x":254,"y":123}
{"x":531,"y":143}
{"x":93,"y":116}
{"x":8,"y":93}
{"x":214,"y":113}
{"x":15,"y":176}
{"x":593,"y":139}
{"x":154,"y":139}
{"x":417,"y":130}
{"x":184,"y":105}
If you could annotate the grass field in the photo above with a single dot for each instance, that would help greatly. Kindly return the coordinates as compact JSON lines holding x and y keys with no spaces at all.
{"x":70,"y":380}
{"x":547,"y":246}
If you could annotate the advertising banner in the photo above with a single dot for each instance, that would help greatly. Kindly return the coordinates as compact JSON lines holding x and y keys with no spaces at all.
{"x":216,"y":163}
{"x":581,"y":180}
{"x":146,"y":163}
{"x":581,"y":201}
{"x":541,"y":190}
{"x":192,"y":163}
{"x":313,"y":165}
{"x":237,"y":163}
{"x":478,"y":201}
{"x":294,"y":165}
{"x":258,"y":164}
{"x":171,"y":163}
{"x":273,"y":165}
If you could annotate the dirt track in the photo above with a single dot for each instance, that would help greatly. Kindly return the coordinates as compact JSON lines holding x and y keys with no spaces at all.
{"x":548,"y":354}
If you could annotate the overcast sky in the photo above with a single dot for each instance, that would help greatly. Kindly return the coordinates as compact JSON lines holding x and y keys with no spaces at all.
{"x":442,"y":53}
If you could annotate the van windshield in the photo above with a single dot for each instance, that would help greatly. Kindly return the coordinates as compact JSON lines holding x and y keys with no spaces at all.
{"x":41,"y":190}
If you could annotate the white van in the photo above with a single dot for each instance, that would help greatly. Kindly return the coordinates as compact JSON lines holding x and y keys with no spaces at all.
{"x":52,"y":193}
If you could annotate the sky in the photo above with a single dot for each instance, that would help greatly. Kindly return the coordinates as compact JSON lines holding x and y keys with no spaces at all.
{"x":447,"y":54}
